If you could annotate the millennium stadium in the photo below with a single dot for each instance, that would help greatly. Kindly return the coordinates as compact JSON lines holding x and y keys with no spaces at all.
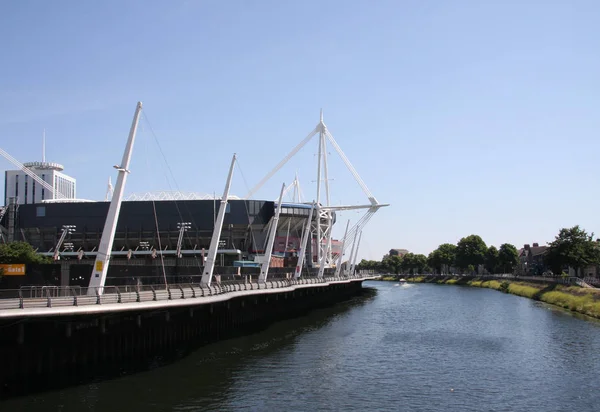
{"x":173,"y":234}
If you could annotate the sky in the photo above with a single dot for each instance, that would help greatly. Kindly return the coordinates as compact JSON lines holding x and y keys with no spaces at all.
{"x":466,"y":116}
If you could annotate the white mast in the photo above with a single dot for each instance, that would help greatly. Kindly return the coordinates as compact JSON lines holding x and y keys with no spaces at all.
{"x":305,"y":236}
{"x":319,"y":249}
{"x":355,"y":255}
{"x":266,"y":259}
{"x":351,"y":253}
{"x":109,"y":190}
{"x":338,"y":267}
{"x":209,"y":266}
{"x":324,"y":221}
{"x":100,"y":268}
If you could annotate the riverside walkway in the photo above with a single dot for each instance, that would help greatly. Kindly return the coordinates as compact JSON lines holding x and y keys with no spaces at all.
{"x":68,"y":301}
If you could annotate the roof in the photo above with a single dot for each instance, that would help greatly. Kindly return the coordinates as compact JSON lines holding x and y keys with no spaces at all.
{"x":534,"y":251}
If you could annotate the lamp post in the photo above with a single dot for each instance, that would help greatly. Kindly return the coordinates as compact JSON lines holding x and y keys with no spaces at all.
{"x":66,"y":230}
{"x":183,"y":227}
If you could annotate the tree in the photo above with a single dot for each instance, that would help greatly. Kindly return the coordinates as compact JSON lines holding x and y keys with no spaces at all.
{"x":470,"y":251}
{"x":412,"y":263}
{"x":433,"y":262}
{"x":369,"y":265}
{"x":572,"y":247}
{"x":407,"y":262}
{"x":443,"y":257}
{"x":508,"y":257}
{"x":419,"y":263}
{"x":392,"y":263}
{"x":20,"y":252}
{"x":491,"y":259}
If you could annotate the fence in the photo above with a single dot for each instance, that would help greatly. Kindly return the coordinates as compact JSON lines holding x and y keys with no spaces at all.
{"x":43,"y":296}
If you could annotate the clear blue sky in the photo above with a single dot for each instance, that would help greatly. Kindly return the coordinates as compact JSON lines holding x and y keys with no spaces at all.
{"x":467,"y":116}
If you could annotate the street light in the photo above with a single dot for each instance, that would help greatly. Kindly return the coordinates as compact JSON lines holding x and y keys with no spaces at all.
{"x":66,"y":230}
{"x":182,"y":227}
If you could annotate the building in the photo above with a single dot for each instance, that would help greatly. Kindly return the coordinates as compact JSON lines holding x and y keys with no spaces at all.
{"x":147,"y":225}
{"x":531,"y":259}
{"x":398,"y":252}
{"x":26,"y":190}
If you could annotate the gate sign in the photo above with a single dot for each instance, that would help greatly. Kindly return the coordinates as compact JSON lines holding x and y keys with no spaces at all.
{"x":13,"y":269}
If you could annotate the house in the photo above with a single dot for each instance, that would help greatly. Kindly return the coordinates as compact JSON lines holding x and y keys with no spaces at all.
{"x":531,"y":259}
{"x":397,"y":252}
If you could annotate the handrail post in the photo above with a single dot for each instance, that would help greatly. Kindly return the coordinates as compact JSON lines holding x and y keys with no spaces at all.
{"x":49,"y":304}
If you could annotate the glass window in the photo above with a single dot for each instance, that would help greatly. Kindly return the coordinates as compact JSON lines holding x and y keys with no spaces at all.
{"x":40,"y":211}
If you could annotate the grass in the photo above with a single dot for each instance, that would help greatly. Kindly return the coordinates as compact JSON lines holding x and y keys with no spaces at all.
{"x":574,"y":298}
{"x":524,"y":290}
{"x":586,"y":303}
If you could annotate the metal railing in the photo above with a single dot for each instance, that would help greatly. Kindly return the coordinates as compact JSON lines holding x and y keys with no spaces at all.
{"x":570,"y":280}
{"x":57,"y":296}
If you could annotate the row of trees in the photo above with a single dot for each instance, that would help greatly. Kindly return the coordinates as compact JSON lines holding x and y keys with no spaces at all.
{"x":468,"y":255}
{"x":572,"y":247}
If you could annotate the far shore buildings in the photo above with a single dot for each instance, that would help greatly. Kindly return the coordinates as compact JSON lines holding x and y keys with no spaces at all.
{"x":531,"y":259}
{"x":398,"y":252}
{"x":531,"y":262}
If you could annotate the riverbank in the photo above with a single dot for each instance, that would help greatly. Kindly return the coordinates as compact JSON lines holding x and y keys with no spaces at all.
{"x":574,"y":298}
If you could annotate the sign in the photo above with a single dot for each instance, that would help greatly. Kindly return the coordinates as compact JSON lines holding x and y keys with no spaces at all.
{"x":222,"y":243}
{"x":99,"y":266}
{"x":13,"y":269}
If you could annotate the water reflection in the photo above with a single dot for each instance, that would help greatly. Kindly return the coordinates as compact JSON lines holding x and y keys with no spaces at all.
{"x":416,"y":348}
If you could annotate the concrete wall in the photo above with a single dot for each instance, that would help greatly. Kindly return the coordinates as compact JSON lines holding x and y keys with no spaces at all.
{"x":52,"y":352}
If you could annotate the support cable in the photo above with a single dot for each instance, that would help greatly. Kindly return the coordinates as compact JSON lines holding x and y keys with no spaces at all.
{"x":283,"y":162}
{"x":351,"y":168}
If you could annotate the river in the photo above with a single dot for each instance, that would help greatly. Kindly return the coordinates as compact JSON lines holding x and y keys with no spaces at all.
{"x":413,"y":347}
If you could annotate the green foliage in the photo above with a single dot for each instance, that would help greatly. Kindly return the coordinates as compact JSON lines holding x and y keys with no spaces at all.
{"x":572,"y":247}
{"x":508,"y":257}
{"x":491,"y":259}
{"x":470,"y":251}
{"x":444,"y":255}
{"x":392,"y":264}
{"x":413,"y":264}
{"x":20,"y":252}
{"x":369,"y":265}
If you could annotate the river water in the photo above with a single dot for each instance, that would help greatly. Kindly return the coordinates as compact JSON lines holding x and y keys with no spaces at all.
{"x":395,"y":348}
